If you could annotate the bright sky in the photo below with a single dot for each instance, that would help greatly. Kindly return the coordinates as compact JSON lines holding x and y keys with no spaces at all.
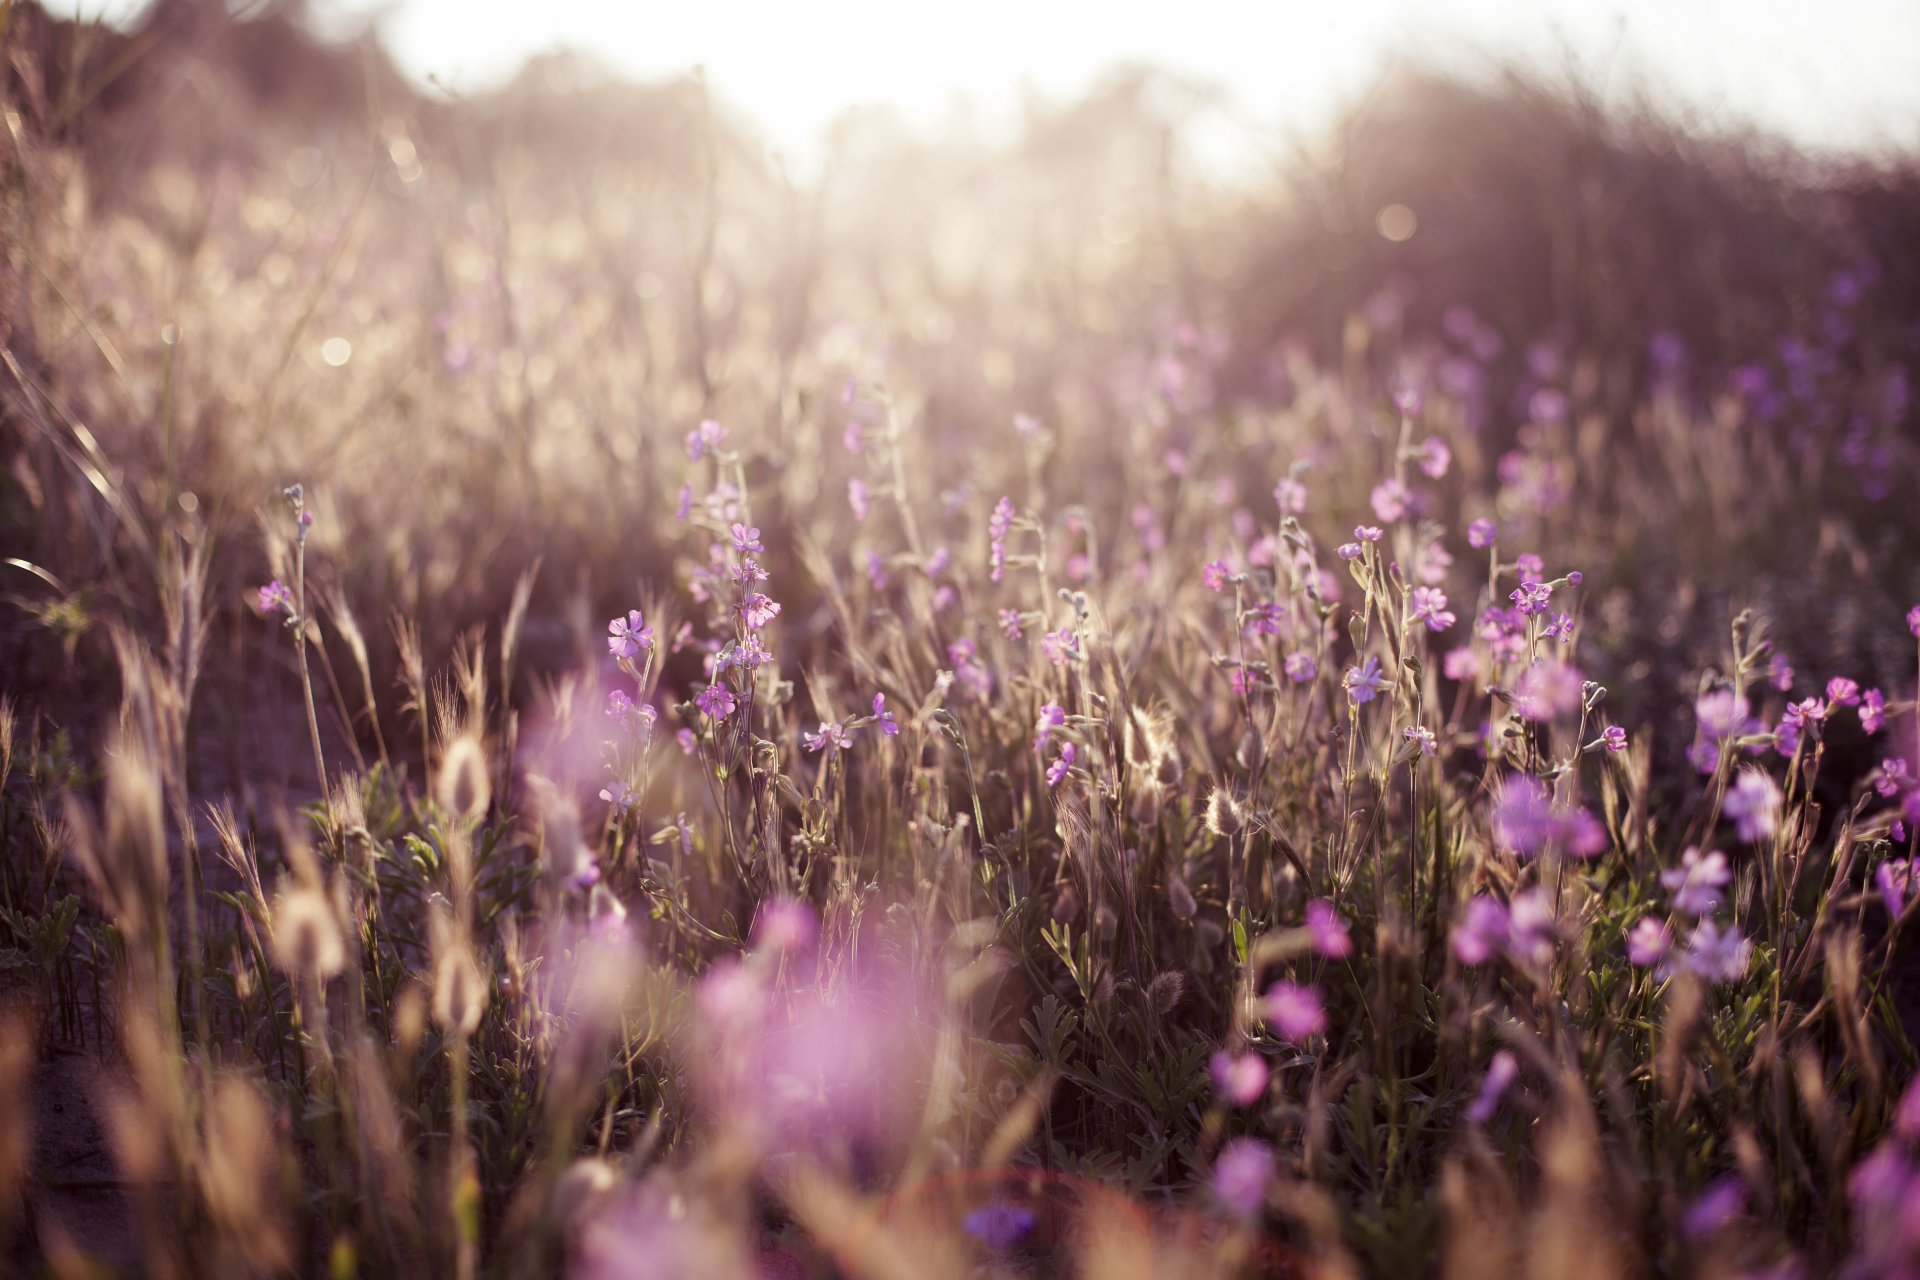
{"x":1825,"y":72}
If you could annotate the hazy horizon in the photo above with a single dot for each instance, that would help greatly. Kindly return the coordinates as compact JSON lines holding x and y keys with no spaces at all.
{"x":1837,"y":77}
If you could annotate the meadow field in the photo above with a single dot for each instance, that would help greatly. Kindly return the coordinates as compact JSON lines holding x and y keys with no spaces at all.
{"x":578,"y":701}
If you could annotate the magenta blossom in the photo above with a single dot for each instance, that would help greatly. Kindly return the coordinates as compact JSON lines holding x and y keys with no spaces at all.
{"x":1329,"y":931}
{"x":1052,"y":716}
{"x":832,"y":737}
{"x":1527,"y":822}
{"x":1435,"y":457}
{"x":1364,"y":683}
{"x":276,"y":598}
{"x":1429,"y":605}
{"x":889,"y":726}
{"x":1753,"y":802}
{"x":1873,"y":710}
{"x":1240,"y":1079}
{"x":1242,"y":1174}
{"x":1501,"y":1073}
{"x":1296,"y":1011}
{"x":705,"y":438}
{"x":627,"y":636}
{"x":1481,"y":933}
{"x":1301,"y":668}
{"x":1481,"y":534}
{"x":746,"y":539}
{"x":1062,"y":764}
{"x":716,"y":700}
{"x":1010,"y":624}
{"x":1696,"y":883}
{"x":1649,"y":942}
{"x":1214,"y":575}
{"x":857,"y":498}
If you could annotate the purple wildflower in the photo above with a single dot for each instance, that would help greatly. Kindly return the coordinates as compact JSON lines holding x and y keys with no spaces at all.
{"x":1301,"y":667}
{"x":1873,"y":710}
{"x":1214,"y":575}
{"x":889,"y":726}
{"x":1429,"y":605}
{"x":276,"y":598}
{"x":1238,"y":1078}
{"x":746,"y":540}
{"x":1010,"y":625}
{"x":1501,"y":1073}
{"x":1481,"y":534}
{"x":1717,"y":955}
{"x":999,"y":1224}
{"x":1329,"y":931}
{"x":716,"y":700}
{"x":1435,"y":457}
{"x":1296,"y":1011}
{"x":627,"y":636}
{"x":831,"y":737}
{"x":1753,"y":802}
{"x":1389,"y":500}
{"x":857,"y":498}
{"x":1061,"y":646}
{"x":758,"y":610}
{"x":1061,"y":765}
{"x":1242,"y":1173}
{"x":704,"y":438}
{"x":1696,"y":883}
{"x":1649,"y":942}
{"x":1422,"y":737}
{"x":1481,"y":933}
{"x":1364,"y":683}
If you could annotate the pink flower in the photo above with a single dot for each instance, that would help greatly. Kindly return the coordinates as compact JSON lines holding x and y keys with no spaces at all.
{"x":1238,"y":1078}
{"x":1842,"y":692}
{"x":1422,"y":737}
{"x":1482,"y":931}
{"x":1301,"y":668}
{"x":1429,"y":605}
{"x":276,"y":598}
{"x":1330,"y":937}
{"x":1291,"y":496}
{"x":1296,"y":1011}
{"x":745,"y":539}
{"x":1052,"y":716}
{"x":1010,"y":626}
{"x":627,"y":636}
{"x":1649,"y":942}
{"x":1696,"y":883}
{"x":1242,"y":1173}
{"x":1059,"y":769}
{"x":1753,"y":802}
{"x":1364,"y":682}
{"x":758,"y":610}
{"x":889,"y":727}
{"x":1435,"y":458}
{"x":1873,"y":710}
{"x":704,"y":438}
{"x":716,"y":700}
{"x":1501,"y":1073}
{"x":854,"y":438}
{"x":1481,"y":534}
{"x":1615,"y":737}
{"x":1389,"y":500}
{"x":1913,"y":620}
{"x":1716,"y":955}
{"x":1215,"y":574}
{"x":1061,"y":646}
{"x":857,"y":498}
{"x":831,"y":737}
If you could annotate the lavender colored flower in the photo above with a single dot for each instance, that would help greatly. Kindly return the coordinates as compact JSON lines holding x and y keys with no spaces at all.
{"x":716,"y":700}
{"x":832,"y":737}
{"x":276,"y":598}
{"x":1896,"y":881}
{"x":1422,"y":737}
{"x":1531,"y":597}
{"x":1389,"y":500}
{"x":1842,"y":692}
{"x":1214,"y":575}
{"x":1715,"y":1208}
{"x":1780,"y":672}
{"x":1715,"y":954}
{"x":1240,"y":1079}
{"x":785,"y":925}
{"x":853,"y":438}
{"x":746,"y":540}
{"x":1368,"y":533}
{"x":1349,"y":550}
{"x":627,"y":636}
{"x":1913,"y":620}
{"x":1549,"y":688}
{"x":1010,"y":625}
{"x":1061,"y":646}
{"x":999,"y":1224}
{"x":1873,"y":710}
{"x":877,"y":570}
{"x":1242,"y":1174}
{"x":1531,"y":931}
{"x":1481,"y":933}
{"x":705,"y":438}
{"x":1364,"y":683}
{"x":1753,"y":802}
{"x":858,"y":499}
{"x":1560,"y":628}
{"x":1502,"y":1071}
{"x":1328,"y":930}
{"x":1062,"y":764}
{"x":1296,"y":1011}
{"x":1649,"y":942}
{"x":889,"y":726}
{"x":758,"y":610}
{"x":1696,"y":883}
{"x":1615,"y":737}
{"x":1464,"y":663}
{"x":1291,"y":497}
{"x":1300,"y":667}
{"x":1481,"y":534}
{"x":1435,"y":457}
{"x":1704,"y":757}
{"x":619,"y":795}
{"x":1429,"y":605}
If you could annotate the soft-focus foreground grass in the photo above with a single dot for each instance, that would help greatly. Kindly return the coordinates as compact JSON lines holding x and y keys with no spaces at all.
{"x":1149,"y":728}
